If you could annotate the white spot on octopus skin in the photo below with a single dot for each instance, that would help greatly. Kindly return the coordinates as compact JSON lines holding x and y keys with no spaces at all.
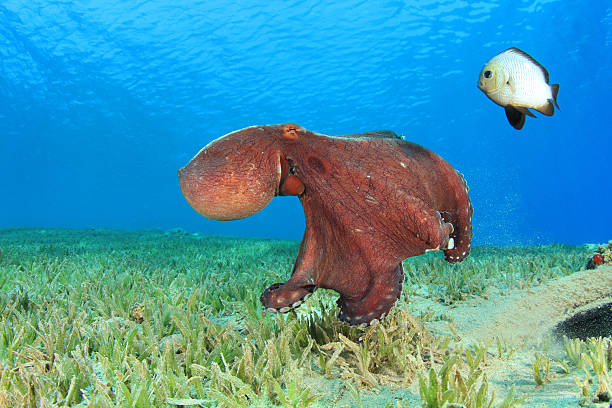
{"x":451,"y":243}
{"x":373,"y":322}
{"x":363,"y":325}
{"x":402,"y":164}
{"x":382,"y":316}
{"x":272,"y":310}
{"x":296,"y":304}
{"x":284,"y":309}
{"x":371,"y":199}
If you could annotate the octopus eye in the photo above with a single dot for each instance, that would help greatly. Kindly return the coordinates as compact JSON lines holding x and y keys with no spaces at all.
{"x":487,"y":74}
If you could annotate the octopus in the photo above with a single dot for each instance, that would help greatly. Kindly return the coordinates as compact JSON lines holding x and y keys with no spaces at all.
{"x":370,"y":201}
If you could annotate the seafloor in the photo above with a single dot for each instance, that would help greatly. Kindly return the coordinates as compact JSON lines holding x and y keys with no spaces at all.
{"x":104,"y":318}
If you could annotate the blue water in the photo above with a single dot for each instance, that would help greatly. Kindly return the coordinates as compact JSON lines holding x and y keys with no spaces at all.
{"x":102,"y":101}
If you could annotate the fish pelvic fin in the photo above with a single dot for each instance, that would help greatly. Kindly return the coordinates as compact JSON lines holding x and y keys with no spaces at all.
{"x":515,"y":117}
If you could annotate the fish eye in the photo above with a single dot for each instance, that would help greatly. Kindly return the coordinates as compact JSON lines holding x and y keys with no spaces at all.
{"x":487,"y":74}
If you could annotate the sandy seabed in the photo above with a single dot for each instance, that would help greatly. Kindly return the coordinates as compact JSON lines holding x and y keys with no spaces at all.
{"x":526,"y":319}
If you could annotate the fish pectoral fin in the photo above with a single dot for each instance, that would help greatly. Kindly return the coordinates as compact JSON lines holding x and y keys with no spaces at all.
{"x":510,"y":84}
{"x":515,"y":117}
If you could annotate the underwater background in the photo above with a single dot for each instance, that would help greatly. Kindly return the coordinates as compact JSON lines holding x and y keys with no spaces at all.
{"x":101,"y":102}
{"x":115,"y":293}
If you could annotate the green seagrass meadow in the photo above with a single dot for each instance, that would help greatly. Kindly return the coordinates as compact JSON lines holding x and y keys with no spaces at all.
{"x":104,"y":318}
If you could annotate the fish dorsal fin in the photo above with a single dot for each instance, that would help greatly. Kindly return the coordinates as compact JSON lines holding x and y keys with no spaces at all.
{"x":531,"y":59}
{"x":376,"y":134}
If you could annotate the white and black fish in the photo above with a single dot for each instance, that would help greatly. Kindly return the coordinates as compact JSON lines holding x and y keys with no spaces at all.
{"x":516,"y":81}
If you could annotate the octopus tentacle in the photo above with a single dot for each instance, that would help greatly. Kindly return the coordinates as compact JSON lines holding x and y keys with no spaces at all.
{"x":428,"y":226}
{"x":461,"y":218}
{"x":378,"y":300}
{"x":282,"y":297}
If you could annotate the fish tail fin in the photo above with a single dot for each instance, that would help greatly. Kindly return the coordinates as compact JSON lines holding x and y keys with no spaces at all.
{"x":555,"y":90}
{"x":515,"y":117}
